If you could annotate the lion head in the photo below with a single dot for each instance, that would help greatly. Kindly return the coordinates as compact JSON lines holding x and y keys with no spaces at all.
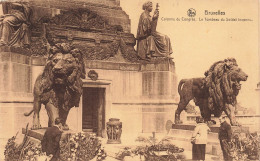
{"x":223,"y":82}
{"x":63,"y":71}
{"x":235,"y":75}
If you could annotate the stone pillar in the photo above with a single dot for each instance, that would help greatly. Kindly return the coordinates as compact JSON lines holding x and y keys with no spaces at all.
{"x":15,"y":90}
{"x":159,"y":91}
{"x":15,"y":93}
{"x":114,"y":131}
{"x":15,"y":81}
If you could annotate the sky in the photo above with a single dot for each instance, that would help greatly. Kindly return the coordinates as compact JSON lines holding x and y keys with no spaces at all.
{"x":198,"y":44}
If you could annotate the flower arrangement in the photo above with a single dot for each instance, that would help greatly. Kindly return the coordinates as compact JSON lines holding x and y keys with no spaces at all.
{"x":152,"y":150}
{"x":80,"y":147}
{"x":11,"y":150}
{"x":27,"y":151}
{"x":101,"y":154}
{"x":76,"y":147}
{"x":123,"y":153}
{"x":245,"y":146}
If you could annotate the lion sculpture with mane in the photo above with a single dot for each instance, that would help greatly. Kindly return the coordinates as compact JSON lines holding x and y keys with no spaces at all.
{"x":59,"y":87}
{"x":215,"y":93}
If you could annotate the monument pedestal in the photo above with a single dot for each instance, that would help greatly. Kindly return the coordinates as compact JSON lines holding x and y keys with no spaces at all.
{"x":182,"y":133}
{"x":15,"y":89}
{"x":37,"y":135}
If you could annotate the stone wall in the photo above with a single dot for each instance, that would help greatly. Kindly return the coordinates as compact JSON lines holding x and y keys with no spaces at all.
{"x":15,"y":91}
{"x":143,"y":96}
{"x":136,"y":91}
{"x":15,"y":83}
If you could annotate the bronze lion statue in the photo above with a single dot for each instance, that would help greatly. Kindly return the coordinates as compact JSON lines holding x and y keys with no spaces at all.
{"x":214,"y":93}
{"x":59,"y":87}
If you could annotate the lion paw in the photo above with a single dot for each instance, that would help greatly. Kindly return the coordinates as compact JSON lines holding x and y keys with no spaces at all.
{"x":178,"y":122}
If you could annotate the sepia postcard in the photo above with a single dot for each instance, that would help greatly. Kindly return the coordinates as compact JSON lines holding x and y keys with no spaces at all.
{"x":129,"y":80}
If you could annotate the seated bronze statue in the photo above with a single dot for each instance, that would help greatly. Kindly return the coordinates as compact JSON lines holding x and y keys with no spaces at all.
{"x":14,"y":25}
{"x":151,"y":43}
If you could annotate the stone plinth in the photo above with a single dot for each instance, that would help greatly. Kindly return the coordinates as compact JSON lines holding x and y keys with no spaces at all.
{"x":181,"y":135}
{"x":15,"y":81}
{"x":182,"y":138}
{"x":15,"y":89}
{"x":137,"y":90}
{"x":214,"y":129}
{"x":159,"y":91}
{"x":38,"y":134}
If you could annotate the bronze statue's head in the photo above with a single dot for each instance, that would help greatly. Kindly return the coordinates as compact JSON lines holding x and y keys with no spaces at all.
{"x":64,"y":68}
{"x":148,"y":6}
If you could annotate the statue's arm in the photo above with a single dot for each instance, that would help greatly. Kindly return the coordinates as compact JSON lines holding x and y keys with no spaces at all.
{"x":147,"y":27}
{"x":156,"y":15}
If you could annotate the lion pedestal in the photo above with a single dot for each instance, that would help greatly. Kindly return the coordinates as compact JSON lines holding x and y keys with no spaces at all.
{"x":15,"y":89}
{"x":181,"y":134}
{"x":37,"y":135}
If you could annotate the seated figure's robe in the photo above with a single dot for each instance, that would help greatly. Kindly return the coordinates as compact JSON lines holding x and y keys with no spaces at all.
{"x":14,"y":26}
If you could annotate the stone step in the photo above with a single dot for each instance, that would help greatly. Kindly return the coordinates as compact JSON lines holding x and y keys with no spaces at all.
{"x":38,"y":134}
{"x":182,"y":138}
{"x":213,"y":129}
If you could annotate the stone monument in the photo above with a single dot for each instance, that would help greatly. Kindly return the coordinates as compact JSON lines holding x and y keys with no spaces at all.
{"x":117,"y":84}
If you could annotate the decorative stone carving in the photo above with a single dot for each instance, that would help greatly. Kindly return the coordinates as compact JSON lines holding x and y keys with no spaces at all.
{"x":59,"y":87}
{"x":114,"y":131}
{"x":94,"y":44}
{"x":93,"y":75}
{"x":82,"y":19}
{"x":87,"y":29}
{"x":15,"y":25}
